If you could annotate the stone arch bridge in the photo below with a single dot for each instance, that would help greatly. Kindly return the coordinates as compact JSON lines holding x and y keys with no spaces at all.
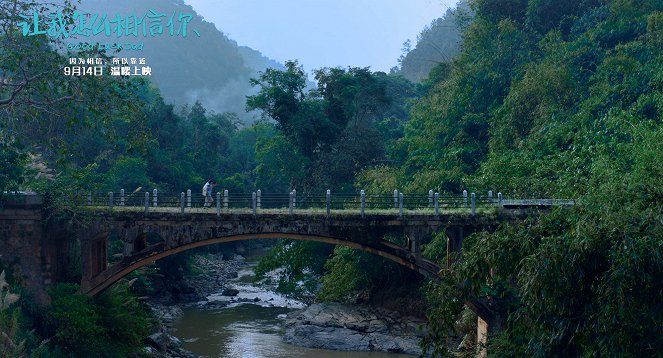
{"x":37,"y":248}
{"x":181,"y":232}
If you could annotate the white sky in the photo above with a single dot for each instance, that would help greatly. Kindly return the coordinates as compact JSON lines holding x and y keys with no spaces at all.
{"x":324,"y":33}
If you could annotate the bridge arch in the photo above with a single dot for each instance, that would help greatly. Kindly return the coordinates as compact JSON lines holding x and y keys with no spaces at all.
{"x":386,"y":249}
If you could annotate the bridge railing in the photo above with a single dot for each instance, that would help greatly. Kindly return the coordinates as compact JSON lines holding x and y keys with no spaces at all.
{"x":293,"y":202}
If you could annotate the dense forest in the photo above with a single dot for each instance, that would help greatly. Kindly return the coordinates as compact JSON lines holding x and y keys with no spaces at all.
{"x":552,"y":99}
{"x":559,"y":99}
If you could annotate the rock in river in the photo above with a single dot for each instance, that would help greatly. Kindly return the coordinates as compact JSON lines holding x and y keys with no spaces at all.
{"x":354,"y":328}
{"x":230,"y":292}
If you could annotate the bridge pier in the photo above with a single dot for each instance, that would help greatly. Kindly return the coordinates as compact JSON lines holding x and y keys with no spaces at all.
{"x":482,"y":337}
{"x":414,"y":239}
{"x":456,"y":234}
{"x":94,"y":255}
{"x":487,"y":325}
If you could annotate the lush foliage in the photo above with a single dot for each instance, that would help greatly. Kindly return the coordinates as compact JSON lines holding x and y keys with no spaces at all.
{"x":112,"y":325}
{"x":552,"y":99}
{"x":85,"y":132}
{"x":299,"y":265}
{"x":310,"y":270}
{"x":356,"y":276}
{"x":12,"y":337}
{"x":12,"y":166}
{"x":348,"y":123}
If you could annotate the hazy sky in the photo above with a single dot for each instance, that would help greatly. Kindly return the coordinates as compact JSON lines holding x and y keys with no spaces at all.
{"x":324,"y":33}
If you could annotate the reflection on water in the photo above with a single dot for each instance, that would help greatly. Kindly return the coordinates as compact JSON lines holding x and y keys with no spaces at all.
{"x":248,"y":331}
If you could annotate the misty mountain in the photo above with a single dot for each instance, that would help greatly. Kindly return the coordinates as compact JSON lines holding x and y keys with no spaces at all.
{"x":438,"y":42}
{"x":210,"y":68}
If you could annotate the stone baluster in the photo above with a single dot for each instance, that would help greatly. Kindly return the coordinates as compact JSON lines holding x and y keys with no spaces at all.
{"x":290,"y":203}
{"x":254,"y":203}
{"x":328,"y":202}
{"x":474,"y":204}
{"x":226,"y":199}
{"x":259,"y":199}
{"x":363,"y":203}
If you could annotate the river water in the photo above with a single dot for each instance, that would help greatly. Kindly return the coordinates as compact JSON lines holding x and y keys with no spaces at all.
{"x":249,"y":330}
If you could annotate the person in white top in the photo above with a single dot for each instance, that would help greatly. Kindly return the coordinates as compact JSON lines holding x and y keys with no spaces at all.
{"x":206,"y":193}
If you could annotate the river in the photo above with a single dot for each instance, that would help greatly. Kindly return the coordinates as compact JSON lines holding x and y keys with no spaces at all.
{"x":249,"y":330}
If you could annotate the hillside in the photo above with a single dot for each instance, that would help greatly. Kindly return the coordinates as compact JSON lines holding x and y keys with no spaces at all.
{"x":550,"y":99}
{"x":212,"y":68}
{"x":438,"y":42}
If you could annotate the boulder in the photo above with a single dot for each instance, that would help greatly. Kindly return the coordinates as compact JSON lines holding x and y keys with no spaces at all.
{"x":159,"y":340}
{"x":354,"y":328}
{"x":229,"y":292}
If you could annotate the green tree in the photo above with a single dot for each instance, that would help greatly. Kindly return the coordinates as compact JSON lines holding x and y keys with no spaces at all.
{"x":112,"y":325}
{"x":12,"y":162}
{"x":129,"y":173}
{"x":340,"y":127}
{"x":280,"y":166}
{"x":280,"y":95}
{"x":301,"y":263}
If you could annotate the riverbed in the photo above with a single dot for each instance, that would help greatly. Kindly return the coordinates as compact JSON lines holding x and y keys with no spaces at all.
{"x":248,"y":325}
{"x":248,"y":330}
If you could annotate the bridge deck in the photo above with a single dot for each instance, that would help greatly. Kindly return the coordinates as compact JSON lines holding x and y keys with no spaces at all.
{"x":285,"y":211}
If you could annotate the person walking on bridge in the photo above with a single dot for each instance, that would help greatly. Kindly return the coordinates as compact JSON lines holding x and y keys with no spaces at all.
{"x":206,"y":193}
